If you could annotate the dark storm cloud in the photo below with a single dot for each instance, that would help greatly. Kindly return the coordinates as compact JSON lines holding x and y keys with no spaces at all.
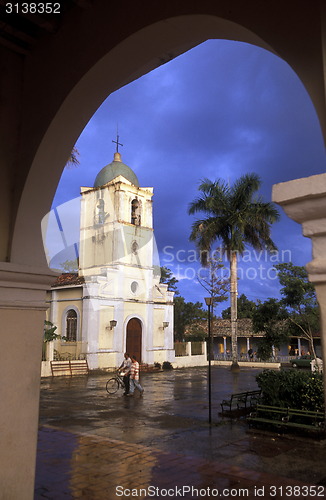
{"x":219,"y":111}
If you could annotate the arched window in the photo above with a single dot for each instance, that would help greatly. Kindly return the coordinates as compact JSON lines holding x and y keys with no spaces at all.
{"x":71,"y":326}
{"x":135,"y":212}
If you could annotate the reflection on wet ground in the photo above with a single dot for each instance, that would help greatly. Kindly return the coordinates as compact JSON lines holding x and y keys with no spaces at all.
{"x":91,"y":442}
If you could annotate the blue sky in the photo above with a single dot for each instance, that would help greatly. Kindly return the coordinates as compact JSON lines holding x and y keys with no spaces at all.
{"x":219,"y":111}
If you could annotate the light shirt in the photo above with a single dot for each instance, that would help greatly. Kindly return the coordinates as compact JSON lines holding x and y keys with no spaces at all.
{"x":126,"y":365}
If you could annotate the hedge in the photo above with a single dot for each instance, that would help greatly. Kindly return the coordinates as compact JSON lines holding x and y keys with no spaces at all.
{"x":292,"y":389}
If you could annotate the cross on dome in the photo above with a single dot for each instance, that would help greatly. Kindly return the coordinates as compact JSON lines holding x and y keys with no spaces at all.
{"x":117,"y":143}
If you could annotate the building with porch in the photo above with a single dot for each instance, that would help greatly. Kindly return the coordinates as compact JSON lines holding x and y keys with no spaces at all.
{"x":115,"y":303}
{"x":248,"y":339}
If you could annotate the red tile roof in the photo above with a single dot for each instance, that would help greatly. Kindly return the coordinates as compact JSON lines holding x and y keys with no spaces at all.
{"x":68,"y":279}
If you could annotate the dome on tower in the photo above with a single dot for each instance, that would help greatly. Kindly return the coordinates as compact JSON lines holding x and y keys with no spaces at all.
{"x":113,"y":170}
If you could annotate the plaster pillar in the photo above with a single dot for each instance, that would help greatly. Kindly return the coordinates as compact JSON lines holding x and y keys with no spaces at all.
{"x":304,"y":201}
{"x":299,"y":346}
{"x":224,"y":347}
{"x":22,"y":314}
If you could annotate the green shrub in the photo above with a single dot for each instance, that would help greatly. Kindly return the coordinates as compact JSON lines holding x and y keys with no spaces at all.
{"x":292,"y":388}
{"x":313,"y":393}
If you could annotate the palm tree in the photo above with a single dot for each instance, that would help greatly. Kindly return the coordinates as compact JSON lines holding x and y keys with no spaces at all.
{"x":73,"y":158}
{"x":235,"y":218}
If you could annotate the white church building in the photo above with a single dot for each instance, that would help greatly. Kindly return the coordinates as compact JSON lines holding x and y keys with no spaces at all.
{"x":115,"y":303}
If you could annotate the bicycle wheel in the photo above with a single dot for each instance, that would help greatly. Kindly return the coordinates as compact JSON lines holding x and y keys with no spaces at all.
{"x":112,"y":385}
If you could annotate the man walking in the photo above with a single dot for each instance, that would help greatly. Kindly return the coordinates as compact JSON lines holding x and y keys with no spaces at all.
{"x":125,"y":368}
{"x":134,"y":377}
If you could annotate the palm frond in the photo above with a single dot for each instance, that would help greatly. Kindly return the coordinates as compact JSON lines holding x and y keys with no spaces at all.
{"x":73,"y":158}
{"x":234,"y":216}
{"x":244,"y":189}
{"x":213,"y":200}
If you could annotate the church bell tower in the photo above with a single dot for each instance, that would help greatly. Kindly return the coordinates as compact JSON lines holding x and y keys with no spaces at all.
{"x":116,"y":222}
{"x":125,"y":307}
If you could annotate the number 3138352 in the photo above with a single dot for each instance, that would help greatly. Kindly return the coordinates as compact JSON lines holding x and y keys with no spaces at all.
{"x":297,"y":491}
{"x":33,"y":8}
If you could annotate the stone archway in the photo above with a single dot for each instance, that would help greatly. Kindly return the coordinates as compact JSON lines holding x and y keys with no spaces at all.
{"x":77,"y":98}
{"x":134,"y":338}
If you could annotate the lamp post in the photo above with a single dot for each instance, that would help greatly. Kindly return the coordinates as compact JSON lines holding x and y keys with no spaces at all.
{"x":209,"y":303}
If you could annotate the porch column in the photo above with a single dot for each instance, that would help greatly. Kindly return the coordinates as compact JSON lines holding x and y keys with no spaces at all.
{"x":204,"y":349}
{"x":224,"y":346}
{"x":22,"y":314}
{"x":299,"y":346}
{"x":304,"y":201}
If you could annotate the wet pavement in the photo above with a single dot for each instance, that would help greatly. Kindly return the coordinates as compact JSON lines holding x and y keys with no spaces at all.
{"x":94,"y":446}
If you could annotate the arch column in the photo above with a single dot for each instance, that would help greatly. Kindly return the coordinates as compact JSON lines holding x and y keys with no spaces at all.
{"x":22,"y":313}
{"x":304,"y":201}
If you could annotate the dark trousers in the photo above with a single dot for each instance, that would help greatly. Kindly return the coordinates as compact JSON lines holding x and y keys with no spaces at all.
{"x":126,"y":381}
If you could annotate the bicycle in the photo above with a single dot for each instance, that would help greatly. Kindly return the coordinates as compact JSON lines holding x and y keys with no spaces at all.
{"x":114,"y":384}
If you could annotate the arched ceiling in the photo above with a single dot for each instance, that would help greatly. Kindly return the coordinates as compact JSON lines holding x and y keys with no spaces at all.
{"x":96,"y":47}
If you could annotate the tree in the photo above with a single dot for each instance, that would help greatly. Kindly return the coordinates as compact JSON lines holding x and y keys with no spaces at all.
{"x":215,"y":286}
{"x":185,"y":314}
{"x":270,"y":317}
{"x":69,"y":266}
{"x":236,"y":219}
{"x":49,"y":335}
{"x":299,"y":297}
{"x":245,"y":308}
{"x":73,"y":158}
{"x":168,"y":278}
{"x":49,"y":332}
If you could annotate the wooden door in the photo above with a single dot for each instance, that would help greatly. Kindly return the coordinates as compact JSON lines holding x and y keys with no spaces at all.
{"x":134,"y":338}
